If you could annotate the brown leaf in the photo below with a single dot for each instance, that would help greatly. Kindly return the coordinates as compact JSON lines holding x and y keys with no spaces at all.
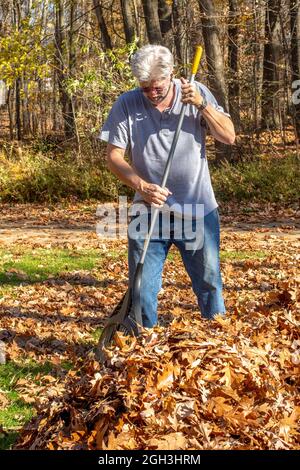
{"x":172,"y":441}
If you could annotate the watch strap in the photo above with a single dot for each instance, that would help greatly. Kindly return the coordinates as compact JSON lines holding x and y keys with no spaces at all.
{"x":204,"y":103}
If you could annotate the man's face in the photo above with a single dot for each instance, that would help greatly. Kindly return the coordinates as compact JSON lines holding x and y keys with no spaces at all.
{"x":156,"y":90}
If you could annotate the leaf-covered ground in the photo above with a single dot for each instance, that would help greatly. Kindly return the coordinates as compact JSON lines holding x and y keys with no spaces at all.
{"x":187,"y":384}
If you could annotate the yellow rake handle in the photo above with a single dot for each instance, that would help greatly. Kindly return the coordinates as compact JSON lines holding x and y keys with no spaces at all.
{"x":197,"y":58}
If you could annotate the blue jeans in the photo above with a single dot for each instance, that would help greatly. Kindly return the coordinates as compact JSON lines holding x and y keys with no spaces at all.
{"x":202,"y":265}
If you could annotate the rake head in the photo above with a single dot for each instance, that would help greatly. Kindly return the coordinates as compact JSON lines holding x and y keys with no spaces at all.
{"x":119,"y":321}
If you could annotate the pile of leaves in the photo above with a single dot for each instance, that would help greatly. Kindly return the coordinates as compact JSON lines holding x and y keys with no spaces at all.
{"x":231,"y":383}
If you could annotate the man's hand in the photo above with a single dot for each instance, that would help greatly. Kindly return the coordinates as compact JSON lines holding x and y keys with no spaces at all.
{"x":153,"y":194}
{"x":190,"y":95}
{"x":220,"y":125}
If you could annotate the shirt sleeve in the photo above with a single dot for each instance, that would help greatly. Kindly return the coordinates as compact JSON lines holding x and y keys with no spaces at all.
{"x":115,"y":128}
{"x":210,"y":98}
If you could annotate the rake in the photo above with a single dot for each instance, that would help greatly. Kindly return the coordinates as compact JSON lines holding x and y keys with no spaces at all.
{"x":127,"y":315}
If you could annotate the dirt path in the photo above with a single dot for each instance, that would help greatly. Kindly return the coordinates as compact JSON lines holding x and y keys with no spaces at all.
{"x":44,"y":235}
{"x":76,"y":223}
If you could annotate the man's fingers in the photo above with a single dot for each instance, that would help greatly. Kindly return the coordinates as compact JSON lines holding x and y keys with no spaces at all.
{"x":160,"y":196}
{"x":165,"y":192}
{"x":159,"y":199}
{"x":162,"y":191}
{"x":189,"y":94}
{"x":156,"y":195}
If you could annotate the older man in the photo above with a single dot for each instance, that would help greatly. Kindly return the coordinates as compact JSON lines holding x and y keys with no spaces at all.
{"x":144,"y":121}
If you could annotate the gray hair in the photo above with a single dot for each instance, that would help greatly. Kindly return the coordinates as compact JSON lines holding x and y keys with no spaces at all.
{"x":152,"y":62}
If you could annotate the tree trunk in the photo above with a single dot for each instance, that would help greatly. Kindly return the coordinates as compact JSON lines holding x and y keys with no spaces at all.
{"x":42,"y":113}
{"x":295,"y":61}
{"x":233,"y":84}
{"x":271,"y":86}
{"x":179,"y":33}
{"x":258,"y":8}
{"x":54,"y":107}
{"x":165,"y":21}
{"x":16,"y":22}
{"x":214,"y":58}
{"x":70,"y":104}
{"x":102,"y":25}
{"x":65,"y":100}
{"x":138,"y":21}
{"x":10,"y":113}
{"x":152,"y":21}
{"x":25,"y":106}
{"x":128,"y":21}
{"x":18,"y":109}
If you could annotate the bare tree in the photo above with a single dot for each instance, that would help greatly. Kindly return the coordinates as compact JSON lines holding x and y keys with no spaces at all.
{"x":213,"y":51}
{"x":17,"y":20}
{"x":128,"y":21}
{"x":18,"y":109}
{"x":152,"y":21}
{"x":257,"y":49}
{"x":165,"y":21}
{"x":233,"y":82}
{"x":106,"y":40}
{"x":270,"y":88}
{"x":178,"y":9}
{"x":62,"y":66}
{"x":295,"y":59}
{"x":215,"y":64}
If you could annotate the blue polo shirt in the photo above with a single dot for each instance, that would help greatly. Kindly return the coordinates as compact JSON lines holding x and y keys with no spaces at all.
{"x":136,"y":125}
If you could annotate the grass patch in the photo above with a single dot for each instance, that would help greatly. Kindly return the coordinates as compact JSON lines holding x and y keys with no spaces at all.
{"x":7,"y":440}
{"x":242,"y":255}
{"x":17,"y":413}
{"x":114,"y":254}
{"x":261,"y":180}
{"x":238,"y":255}
{"x":19,"y":266}
{"x":11,"y":372}
{"x":96,"y":335}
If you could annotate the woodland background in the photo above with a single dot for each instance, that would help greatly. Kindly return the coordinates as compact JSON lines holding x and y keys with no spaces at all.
{"x":64,"y":62}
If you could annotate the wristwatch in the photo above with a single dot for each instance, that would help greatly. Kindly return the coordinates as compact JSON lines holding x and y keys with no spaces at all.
{"x":204,"y":103}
